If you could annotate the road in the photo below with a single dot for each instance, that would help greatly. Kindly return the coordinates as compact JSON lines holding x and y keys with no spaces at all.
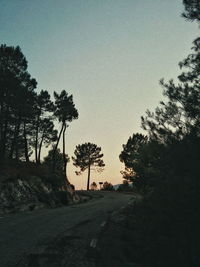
{"x":56,"y":237}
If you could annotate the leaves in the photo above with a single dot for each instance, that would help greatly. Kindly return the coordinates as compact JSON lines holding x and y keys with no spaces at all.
{"x":192,"y":10}
{"x":65,"y":109}
{"x":86,"y":155}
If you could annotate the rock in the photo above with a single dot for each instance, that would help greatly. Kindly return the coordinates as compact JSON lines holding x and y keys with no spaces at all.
{"x":30,"y":194}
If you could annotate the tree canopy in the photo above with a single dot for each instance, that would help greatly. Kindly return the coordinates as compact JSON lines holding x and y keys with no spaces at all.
{"x":166,"y":169}
{"x":88,"y":155}
{"x":93,"y":186}
{"x":17,"y":95}
{"x":107,"y":186}
{"x":65,"y":111}
{"x":192,"y":10}
{"x":27,"y":117}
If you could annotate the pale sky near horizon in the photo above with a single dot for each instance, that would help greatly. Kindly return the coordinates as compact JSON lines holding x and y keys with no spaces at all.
{"x":110,"y":54}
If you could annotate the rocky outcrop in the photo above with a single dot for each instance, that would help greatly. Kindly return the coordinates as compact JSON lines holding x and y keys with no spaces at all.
{"x":32,"y":193}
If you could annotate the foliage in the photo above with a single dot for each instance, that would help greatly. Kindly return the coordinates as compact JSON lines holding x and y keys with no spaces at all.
{"x":57,"y":179}
{"x":64,"y":111}
{"x":131,"y":150}
{"x":27,"y":117}
{"x":48,"y":160}
{"x":131,"y":157}
{"x":58,"y":176}
{"x":107,"y":186}
{"x":165,"y":225}
{"x":179,"y":116}
{"x":43,"y":127}
{"x":26,"y":121}
{"x":192,"y":10}
{"x":125,"y":186}
{"x":93,"y":186}
{"x":16,"y":103}
{"x":88,"y":155}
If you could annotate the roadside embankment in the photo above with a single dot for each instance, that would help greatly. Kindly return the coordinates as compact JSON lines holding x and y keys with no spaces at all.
{"x":18,"y":195}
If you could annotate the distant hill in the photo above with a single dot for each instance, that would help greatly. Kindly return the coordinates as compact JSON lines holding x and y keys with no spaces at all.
{"x":116,"y":186}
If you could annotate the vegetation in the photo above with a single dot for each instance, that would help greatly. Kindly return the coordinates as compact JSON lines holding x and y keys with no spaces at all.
{"x":27,"y":117}
{"x":192,"y":10}
{"x":107,"y":186}
{"x":17,"y":98}
{"x":93,"y":186}
{"x":125,"y":187}
{"x":57,"y":156}
{"x":131,"y":157}
{"x":162,"y":165}
{"x":65,"y":111}
{"x":165,"y":168}
{"x":88,"y":155}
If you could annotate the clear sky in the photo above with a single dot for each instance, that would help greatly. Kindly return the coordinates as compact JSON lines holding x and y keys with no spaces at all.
{"x":110,"y":54}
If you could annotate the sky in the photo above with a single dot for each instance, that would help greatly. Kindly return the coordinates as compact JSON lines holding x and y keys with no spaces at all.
{"x":110,"y":54}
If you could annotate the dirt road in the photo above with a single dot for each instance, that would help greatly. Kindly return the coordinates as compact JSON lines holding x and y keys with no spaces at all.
{"x":57,"y":237}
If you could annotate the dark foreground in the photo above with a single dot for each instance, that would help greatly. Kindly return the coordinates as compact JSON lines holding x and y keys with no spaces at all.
{"x":64,"y":236}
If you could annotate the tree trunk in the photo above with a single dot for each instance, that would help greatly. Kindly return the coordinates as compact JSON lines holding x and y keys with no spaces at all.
{"x":36,"y":140}
{"x":1,"y":127}
{"x":40,"y":148}
{"x":88,"y":182}
{"x":16,"y":134}
{"x":25,"y":144}
{"x":55,"y":148}
{"x":4,"y":137}
{"x":13,"y":144}
{"x":64,"y":156}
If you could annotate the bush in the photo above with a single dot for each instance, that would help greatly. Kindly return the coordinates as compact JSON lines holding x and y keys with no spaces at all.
{"x":126,"y":187}
{"x":107,"y":186}
{"x":63,"y":197}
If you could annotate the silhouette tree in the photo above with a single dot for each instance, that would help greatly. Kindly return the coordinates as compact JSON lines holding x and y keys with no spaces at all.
{"x":170,"y":164}
{"x":128,"y":173}
{"x":86,"y":156}
{"x":42,"y":106}
{"x":65,"y":111}
{"x":48,"y":135}
{"x":107,"y":186}
{"x":59,"y":159}
{"x":57,"y":179}
{"x":130,"y":153}
{"x":21,"y":115}
{"x":179,"y":116}
{"x":16,"y":95}
{"x":93,"y":186}
{"x":192,"y":10}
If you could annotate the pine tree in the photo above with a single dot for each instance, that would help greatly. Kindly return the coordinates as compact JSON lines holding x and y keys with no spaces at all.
{"x":65,"y":111}
{"x":16,"y":95}
{"x":86,"y":156}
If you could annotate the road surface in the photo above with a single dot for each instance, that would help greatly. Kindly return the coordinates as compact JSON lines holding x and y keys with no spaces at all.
{"x":56,"y":237}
